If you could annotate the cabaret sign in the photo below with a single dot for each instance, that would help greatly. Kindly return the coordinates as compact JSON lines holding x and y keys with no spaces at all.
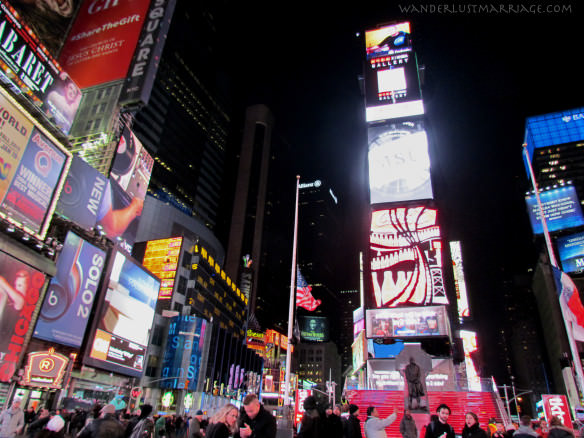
{"x":45,"y":369}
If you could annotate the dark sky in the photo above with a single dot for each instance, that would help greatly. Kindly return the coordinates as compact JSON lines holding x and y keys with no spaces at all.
{"x":485,"y":72}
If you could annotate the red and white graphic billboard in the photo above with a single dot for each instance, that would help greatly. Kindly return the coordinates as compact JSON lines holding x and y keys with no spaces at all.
{"x":102,"y":41}
{"x":301,"y":395}
{"x":557,"y":406}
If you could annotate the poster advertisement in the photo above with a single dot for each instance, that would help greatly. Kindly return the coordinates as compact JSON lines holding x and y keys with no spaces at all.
{"x":20,"y":289}
{"x":69,"y":298}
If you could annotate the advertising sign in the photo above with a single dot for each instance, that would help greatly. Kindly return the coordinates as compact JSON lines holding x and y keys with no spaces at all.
{"x":82,"y":194}
{"x":314,"y":328}
{"x":301,"y":395}
{"x":45,"y":369}
{"x":33,"y":165}
{"x":124,"y":320}
{"x":69,"y":299}
{"x":359,"y":349}
{"x":184,"y":349}
{"x":102,"y":41}
{"x":161,"y":258}
{"x":144,"y":65}
{"x":406,"y":322}
{"x":388,"y":40}
{"x":571,"y":252}
{"x":25,"y":63}
{"x":406,"y":257}
{"x":561,"y":210}
{"x":20,"y":289}
{"x":469,"y":345}
{"x":399,"y":163}
{"x":121,"y":207}
{"x":557,"y":406}
{"x":459,"y":283}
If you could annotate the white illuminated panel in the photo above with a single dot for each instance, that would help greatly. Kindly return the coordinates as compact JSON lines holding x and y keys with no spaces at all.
{"x":391,"y":80}
{"x":469,"y":345}
{"x":459,"y":282}
{"x":394,"y":110}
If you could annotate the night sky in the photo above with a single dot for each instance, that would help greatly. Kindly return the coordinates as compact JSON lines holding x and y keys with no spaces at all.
{"x":484,"y":74}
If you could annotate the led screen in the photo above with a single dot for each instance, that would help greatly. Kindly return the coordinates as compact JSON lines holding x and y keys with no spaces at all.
{"x":388,"y":40}
{"x":561,"y":210}
{"x":314,"y":328}
{"x":82,"y":194}
{"x":33,"y":165}
{"x":123,"y":200}
{"x":459,"y":282}
{"x":125,"y":317}
{"x":25,"y":65}
{"x":554,"y":128}
{"x":407,"y":322}
{"x":161,"y":258}
{"x":104,"y":34}
{"x":69,"y":298}
{"x":399,"y":164}
{"x":405,"y":258}
{"x":359,"y":350}
{"x":20,"y":288}
{"x":184,"y":349}
{"x":392,"y":84}
{"x":469,"y":345}
{"x":571,"y":252}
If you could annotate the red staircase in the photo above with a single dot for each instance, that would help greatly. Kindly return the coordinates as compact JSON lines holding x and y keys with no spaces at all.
{"x":481,"y":403}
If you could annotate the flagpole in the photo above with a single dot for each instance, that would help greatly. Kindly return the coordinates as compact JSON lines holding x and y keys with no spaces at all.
{"x":292,"y":299}
{"x":554,"y":263}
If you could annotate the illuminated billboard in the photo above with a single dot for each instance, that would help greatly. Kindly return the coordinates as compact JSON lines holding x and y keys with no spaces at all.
{"x":123,"y":322}
{"x":314,"y":328}
{"x":184,"y":349}
{"x":406,"y":258}
{"x":33,"y":166}
{"x":407,"y":322}
{"x":388,"y":40}
{"x":399,"y":164}
{"x":82,"y":194}
{"x":161,"y":258}
{"x":122,"y":203}
{"x":20,"y":288}
{"x":359,"y":350}
{"x":459,"y":282}
{"x":102,"y":41}
{"x":469,"y":345}
{"x":26,"y":65}
{"x":571,"y":252}
{"x":561,"y":209}
{"x":69,"y":298}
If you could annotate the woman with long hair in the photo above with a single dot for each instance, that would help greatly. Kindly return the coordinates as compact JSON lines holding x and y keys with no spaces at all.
{"x":471,"y":427}
{"x":224,"y":423}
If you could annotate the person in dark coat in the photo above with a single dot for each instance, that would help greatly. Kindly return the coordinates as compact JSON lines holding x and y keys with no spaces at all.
{"x":312,"y":423}
{"x":37,"y":425}
{"x":471,"y":427}
{"x":407,"y":426}
{"x":255,"y":421}
{"x":333,"y":422}
{"x":439,"y":425}
{"x":106,"y":426}
{"x":353,"y":424}
{"x":557,"y":429}
{"x":224,"y":423}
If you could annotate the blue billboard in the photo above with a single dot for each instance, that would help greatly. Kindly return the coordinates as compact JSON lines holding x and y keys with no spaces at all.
{"x":571,"y":252}
{"x":561,"y":210}
{"x":69,"y":299}
{"x":184,"y":350}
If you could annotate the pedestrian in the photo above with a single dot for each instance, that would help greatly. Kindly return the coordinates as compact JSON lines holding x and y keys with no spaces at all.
{"x":375,"y":426}
{"x":439,"y":425}
{"x":407,"y":425}
{"x":333,"y":422}
{"x":106,"y":426}
{"x":159,"y":426}
{"x":38,"y":424}
{"x":255,"y":421}
{"x":558,"y":430}
{"x":353,"y":424}
{"x":224,"y":423}
{"x":543,"y":429}
{"x":12,"y":421}
{"x":144,"y":426}
{"x":525,"y":430}
{"x":195,"y":429}
{"x":55,"y":428}
{"x":312,"y":423}
{"x":471,"y":427}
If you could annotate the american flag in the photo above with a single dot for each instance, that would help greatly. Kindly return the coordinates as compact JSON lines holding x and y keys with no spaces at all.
{"x":572,"y":308}
{"x":303,"y":296}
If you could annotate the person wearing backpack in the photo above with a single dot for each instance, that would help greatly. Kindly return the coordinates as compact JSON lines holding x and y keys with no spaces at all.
{"x":144,"y":426}
{"x":439,"y":428}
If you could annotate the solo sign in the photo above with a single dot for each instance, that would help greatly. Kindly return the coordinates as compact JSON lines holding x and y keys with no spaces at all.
{"x":557,"y":406}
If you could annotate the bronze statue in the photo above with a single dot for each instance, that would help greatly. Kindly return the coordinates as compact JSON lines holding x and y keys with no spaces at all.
{"x":415,"y":386}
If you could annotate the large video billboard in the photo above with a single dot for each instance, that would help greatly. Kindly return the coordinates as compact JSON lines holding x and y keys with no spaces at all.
{"x":123,"y":322}
{"x":33,"y":166}
{"x":20,"y":289}
{"x":122,"y":203}
{"x":314,"y":328}
{"x":82,"y":194}
{"x":571,"y":252}
{"x":406,"y":258}
{"x":407,"y":322}
{"x":26,"y":65}
{"x":161,"y":258}
{"x":399,"y":164}
{"x":69,"y":298}
{"x":388,"y":40}
{"x":561,"y":210}
{"x":102,"y":41}
{"x":459,"y":282}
